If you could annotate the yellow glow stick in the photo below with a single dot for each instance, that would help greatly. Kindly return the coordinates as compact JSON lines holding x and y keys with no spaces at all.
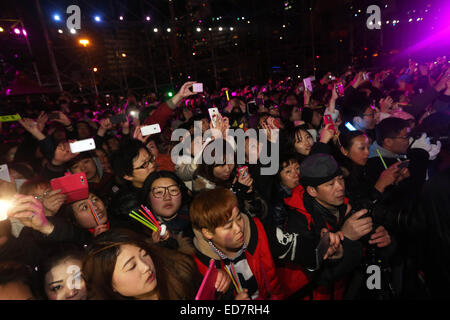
{"x":228,"y":97}
{"x":145,"y":223}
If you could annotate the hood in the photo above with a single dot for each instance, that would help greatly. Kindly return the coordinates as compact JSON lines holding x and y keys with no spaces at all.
{"x":203,"y":247}
{"x":384,"y":153}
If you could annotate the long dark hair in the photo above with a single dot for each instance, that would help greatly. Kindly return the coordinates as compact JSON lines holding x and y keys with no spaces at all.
{"x":57,"y":252}
{"x":206,"y":170}
{"x":176,"y":273}
{"x":292,"y":136}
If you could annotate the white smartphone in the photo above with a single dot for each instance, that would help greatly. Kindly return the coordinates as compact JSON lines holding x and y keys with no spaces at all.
{"x":213,"y":114}
{"x":197,"y":87}
{"x":307,"y":84}
{"x":151,"y":129}
{"x":4,"y":173}
{"x":82,"y":145}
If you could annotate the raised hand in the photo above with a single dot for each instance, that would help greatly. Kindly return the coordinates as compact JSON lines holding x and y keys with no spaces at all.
{"x":41,"y":121}
{"x":30,"y":212}
{"x":63,"y":154}
{"x":31,"y":126}
{"x":53,"y":201}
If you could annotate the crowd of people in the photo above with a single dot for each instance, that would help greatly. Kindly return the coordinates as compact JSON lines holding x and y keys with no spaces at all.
{"x":368,"y":190}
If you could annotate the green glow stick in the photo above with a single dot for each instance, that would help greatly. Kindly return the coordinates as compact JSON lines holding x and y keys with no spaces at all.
{"x":382,"y":160}
{"x":145,"y":223}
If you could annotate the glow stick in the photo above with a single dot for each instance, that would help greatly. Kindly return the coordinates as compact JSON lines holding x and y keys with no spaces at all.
{"x":143,"y":219}
{"x":234,"y":282}
{"x":143,"y":222}
{"x":228,"y":97}
{"x":94,"y":214}
{"x":151,"y":215}
{"x":382,"y":160}
{"x":146,"y":215}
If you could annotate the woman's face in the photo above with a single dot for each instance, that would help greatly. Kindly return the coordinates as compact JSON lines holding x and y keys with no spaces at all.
{"x":230,"y":237}
{"x":296,"y":114}
{"x":87,"y":166}
{"x":64,"y":281}
{"x":316,"y":119}
{"x":134,"y":273}
{"x":303,"y":142}
{"x":223,"y":172}
{"x":143,"y":165}
{"x":165,"y":197}
{"x":151,"y":146}
{"x":101,"y":155}
{"x":84,"y":215}
{"x":290,"y":175}
{"x":359,"y":151}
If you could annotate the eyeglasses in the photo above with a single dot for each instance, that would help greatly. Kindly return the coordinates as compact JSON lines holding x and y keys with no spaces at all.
{"x":160,"y":192}
{"x":400,"y":137}
{"x":146,"y":163}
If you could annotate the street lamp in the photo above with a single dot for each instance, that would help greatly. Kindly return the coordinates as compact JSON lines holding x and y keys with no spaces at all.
{"x":85,"y":43}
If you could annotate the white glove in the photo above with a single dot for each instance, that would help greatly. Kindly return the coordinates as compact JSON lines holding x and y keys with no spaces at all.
{"x":424,"y":143}
{"x":435,"y":149}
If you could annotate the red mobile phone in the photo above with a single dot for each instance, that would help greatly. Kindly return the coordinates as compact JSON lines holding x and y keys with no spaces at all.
{"x":74,"y":186}
{"x":326,"y":120}
{"x":340,"y":89}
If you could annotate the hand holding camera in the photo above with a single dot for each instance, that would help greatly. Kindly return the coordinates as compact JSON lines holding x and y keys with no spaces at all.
{"x":357,"y":226}
{"x":30,"y":212}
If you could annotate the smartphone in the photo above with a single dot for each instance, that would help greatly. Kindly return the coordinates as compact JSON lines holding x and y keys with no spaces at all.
{"x":197,"y":87}
{"x":340,"y":89}
{"x":53,"y":116}
{"x":243,"y":171}
{"x":327,"y":119}
{"x":349,"y":126}
{"x":4,"y":173}
{"x":403,"y":164}
{"x":307,"y":84}
{"x":10,"y":118}
{"x":74,"y":186}
{"x":213,"y":114}
{"x":252,"y":108}
{"x":82,"y":145}
{"x":321,"y":250}
{"x":118,"y":118}
{"x":134,"y":114}
{"x":151,"y":129}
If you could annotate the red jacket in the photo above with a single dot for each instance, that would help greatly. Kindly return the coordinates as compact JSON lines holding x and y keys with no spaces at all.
{"x":258,"y":257}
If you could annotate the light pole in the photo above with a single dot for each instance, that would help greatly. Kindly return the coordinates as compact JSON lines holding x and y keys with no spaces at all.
{"x":85,"y":43}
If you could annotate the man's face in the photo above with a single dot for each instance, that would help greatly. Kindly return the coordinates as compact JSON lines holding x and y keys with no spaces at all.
{"x":398,"y":144}
{"x":143,"y":165}
{"x":331,"y":193}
